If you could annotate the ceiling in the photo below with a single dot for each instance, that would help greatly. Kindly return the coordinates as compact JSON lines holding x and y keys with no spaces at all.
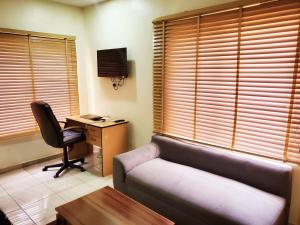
{"x":80,"y":3}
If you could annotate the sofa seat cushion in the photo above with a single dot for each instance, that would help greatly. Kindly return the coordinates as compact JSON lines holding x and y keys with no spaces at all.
{"x":213,"y":199}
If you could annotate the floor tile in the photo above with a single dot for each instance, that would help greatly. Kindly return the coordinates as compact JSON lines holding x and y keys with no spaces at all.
{"x":47,"y":220}
{"x":110,"y":183}
{"x":60,"y":184}
{"x":45,"y":176}
{"x":48,"y":176}
{"x":44,"y":208}
{"x":87,"y":176}
{"x":70,"y":172}
{"x":37,"y":168}
{"x":8,"y":204}
{"x":31,"y":195}
{"x":76,"y":192}
{"x":20,"y":184}
{"x":34,"y":169}
{"x":13,"y":176}
{"x":19,"y":217}
{"x":2,"y":191}
{"x":100,"y":182}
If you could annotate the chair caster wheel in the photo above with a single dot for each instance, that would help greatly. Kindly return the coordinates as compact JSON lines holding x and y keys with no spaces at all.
{"x":55,"y":176}
{"x":44,"y":169}
{"x":82,"y":169}
{"x":82,"y":161}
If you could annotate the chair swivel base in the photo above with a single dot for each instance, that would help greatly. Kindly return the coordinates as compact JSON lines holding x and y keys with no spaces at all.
{"x":65,"y":165}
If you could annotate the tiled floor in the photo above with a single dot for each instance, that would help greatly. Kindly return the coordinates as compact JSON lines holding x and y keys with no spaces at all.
{"x":29,"y":196}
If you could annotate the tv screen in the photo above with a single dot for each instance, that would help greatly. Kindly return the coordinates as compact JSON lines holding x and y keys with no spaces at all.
{"x":112,"y":62}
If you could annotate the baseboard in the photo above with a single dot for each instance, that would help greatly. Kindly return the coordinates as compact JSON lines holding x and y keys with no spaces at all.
{"x":25,"y":164}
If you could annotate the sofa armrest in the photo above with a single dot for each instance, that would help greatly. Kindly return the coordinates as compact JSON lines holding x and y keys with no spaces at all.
{"x":125,"y":162}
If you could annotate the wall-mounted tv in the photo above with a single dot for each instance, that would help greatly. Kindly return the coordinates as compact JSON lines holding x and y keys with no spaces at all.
{"x":112,"y":62}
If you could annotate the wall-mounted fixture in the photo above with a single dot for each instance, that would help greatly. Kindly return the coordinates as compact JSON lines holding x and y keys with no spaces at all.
{"x":113,"y":63}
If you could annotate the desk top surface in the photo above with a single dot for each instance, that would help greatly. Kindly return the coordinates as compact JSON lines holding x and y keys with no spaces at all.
{"x":94,"y":123}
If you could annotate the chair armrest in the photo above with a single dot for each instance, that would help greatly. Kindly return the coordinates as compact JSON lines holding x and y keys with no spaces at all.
{"x":81,"y":129}
{"x":63,"y":122}
{"x":125,"y":162}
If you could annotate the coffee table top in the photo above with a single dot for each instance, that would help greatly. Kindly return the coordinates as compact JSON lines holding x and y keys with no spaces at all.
{"x":107,"y":206}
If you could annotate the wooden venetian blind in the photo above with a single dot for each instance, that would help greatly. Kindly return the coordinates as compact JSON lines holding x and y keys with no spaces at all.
{"x":35,"y":68}
{"x":230,"y":78}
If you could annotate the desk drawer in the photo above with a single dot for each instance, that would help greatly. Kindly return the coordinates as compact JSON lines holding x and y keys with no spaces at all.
{"x":93,"y":139}
{"x":91,"y":130}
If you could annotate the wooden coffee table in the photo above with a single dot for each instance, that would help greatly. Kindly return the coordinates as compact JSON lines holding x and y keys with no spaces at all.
{"x":107,"y":207}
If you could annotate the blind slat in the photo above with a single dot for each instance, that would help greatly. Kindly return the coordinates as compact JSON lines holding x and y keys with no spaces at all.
{"x":35,"y":68}
{"x":231,"y":79}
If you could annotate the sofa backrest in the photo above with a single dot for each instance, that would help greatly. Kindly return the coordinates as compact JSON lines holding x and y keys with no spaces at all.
{"x":271,"y":177}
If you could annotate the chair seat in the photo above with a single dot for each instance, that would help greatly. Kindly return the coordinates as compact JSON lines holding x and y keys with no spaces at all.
{"x":208,"y":197}
{"x":72,"y":137}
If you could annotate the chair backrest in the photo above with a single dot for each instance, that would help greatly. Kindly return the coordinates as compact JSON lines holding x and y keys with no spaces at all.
{"x":48,"y":123}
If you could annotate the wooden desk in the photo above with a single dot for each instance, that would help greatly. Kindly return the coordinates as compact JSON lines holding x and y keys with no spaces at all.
{"x":107,"y":207}
{"x":110,"y":137}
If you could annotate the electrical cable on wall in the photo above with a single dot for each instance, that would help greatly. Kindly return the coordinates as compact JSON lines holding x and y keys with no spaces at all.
{"x":117,"y":82}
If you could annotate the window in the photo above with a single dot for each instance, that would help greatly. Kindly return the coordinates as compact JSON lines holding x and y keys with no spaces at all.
{"x":231,"y":78}
{"x":35,"y":67}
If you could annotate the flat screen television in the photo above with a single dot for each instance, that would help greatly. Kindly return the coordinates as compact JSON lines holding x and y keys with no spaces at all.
{"x":112,"y":62}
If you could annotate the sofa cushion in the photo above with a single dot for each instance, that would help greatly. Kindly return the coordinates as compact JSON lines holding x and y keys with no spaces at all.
{"x":262,"y":174}
{"x":212,"y":198}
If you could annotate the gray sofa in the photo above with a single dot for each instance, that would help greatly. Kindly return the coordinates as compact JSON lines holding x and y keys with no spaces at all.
{"x":196,"y":185}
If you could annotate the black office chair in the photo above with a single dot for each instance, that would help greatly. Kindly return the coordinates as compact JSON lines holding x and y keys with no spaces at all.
{"x":57,"y":137}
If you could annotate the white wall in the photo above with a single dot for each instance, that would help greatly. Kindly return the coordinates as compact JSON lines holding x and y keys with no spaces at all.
{"x":42,"y":16}
{"x":128,"y":23}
